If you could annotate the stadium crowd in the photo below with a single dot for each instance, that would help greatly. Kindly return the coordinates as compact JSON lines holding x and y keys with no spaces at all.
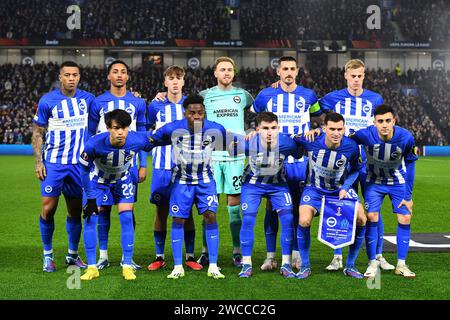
{"x":423,"y":20}
{"x":202,"y":19}
{"x":151,"y":19}
{"x":427,"y":114}
{"x":309,"y":20}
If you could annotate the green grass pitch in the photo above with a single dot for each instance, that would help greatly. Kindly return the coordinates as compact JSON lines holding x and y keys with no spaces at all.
{"x":21,"y":275}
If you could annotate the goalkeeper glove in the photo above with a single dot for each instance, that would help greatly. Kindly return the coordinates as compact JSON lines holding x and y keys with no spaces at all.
{"x":89,"y":209}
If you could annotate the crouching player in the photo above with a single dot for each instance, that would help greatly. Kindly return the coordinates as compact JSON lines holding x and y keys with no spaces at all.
{"x":193,"y":139}
{"x":106,"y":162}
{"x":329,"y":157}
{"x":264,"y":176}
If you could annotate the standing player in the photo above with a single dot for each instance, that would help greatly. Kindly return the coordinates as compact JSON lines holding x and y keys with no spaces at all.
{"x":265,"y":177}
{"x":356,"y":104}
{"x":158,"y":114}
{"x":117,"y":98}
{"x":293,"y":104}
{"x":333,"y":168}
{"x":64,"y":113}
{"x":391,"y":156}
{"x":106,"y":162}
{"x":193,"y":139}
{"x":225,"y":105}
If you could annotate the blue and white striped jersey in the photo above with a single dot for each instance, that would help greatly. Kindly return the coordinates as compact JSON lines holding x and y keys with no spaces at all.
{"x":357,"y":111}
{"x":330,"y":168}
{"x":106,"y":102}
{"x":192,"y":151}
{"x":108,"y":164}
{"x":159,"y":114}
{"x":66,"y":121}
{"x":292,"y":109}
{"x":266,"y":166}
{"x":386,"y":160}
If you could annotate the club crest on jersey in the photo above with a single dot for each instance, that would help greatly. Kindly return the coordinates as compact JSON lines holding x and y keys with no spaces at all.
{"x":306,"y":198}
{"x":130,"y":109}
{"x":244,"y":206}
{"x":237,"y":99}
{"x":48,"y":189}
{"x":207,"y":141}
{"x":128,"y":157}
{"x":105,"y":198}
{"x":299,"y":105}
{"x":340,"y":163}
{"x":366,"y":205}
{"x":175,"y":208}
{"x":85,"y":156}
{"x":82,"y":105}
{"x":367,"y":108}
{"x":396,"y":154}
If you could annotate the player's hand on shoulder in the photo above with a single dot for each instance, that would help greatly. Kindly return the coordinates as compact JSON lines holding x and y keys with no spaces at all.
{"x":39,"y":169}
{"x":312,"y":134}
{"x":136,"y":93}
{"x":342,"y":194}
{"x":89,"y":209}
{"x":275,"y":85}
{"x":250,"y":135}
{"x":160,"y":96}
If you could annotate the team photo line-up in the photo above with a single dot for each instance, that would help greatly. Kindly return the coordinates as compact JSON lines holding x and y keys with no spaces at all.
{"x":93,"y":150}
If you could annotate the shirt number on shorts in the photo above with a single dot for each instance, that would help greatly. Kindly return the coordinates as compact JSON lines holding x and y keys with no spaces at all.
{"x":237,"y":182}
{"x":212,"y":199}
{"x":288,"y":198}
{"x":128,"y":190}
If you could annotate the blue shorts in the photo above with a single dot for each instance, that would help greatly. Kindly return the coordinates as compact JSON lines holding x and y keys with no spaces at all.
{"x":313,"y":197}
{"x":123,"y":191}
{"x":375,"y":194}
{"x":161,"y":186}
{"x":252,"y":194}
{"x":63,"y":178}
{"x":183,"y":197}
{"x":296,"y":177}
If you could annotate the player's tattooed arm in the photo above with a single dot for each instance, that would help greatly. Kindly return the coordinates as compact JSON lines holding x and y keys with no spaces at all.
{"x":37,"y":141}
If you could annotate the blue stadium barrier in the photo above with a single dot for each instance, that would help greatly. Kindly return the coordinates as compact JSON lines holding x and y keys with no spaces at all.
{"x":16,"y":149}
{"x":436,"y":151}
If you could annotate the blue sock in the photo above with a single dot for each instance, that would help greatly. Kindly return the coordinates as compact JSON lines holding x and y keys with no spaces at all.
{"x":380,"y":235}
{"x":247,"y":234}
{"x":212,"y":239}
{"x":90,"y":239}
{"x":403,"y":237}
{"x":271,"y":230}
{"x":354,"y":248}
{"x":177,"y":236}
{"x":304,"y":242}
{"x":338,"y":251}
{"x":371,"y":239}
{"x":189,"y":240}
{"x":127,"y":235}
{"x":47,"y":228}
{"x":160,"y":241}
{"x":287,"y":230}
{"x":295,"y":223}
{"x":104,"y":223}
{"x":73,"y":228}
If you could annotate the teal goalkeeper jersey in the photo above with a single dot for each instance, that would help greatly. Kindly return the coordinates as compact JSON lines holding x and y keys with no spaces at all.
{"x":227,"y":108}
